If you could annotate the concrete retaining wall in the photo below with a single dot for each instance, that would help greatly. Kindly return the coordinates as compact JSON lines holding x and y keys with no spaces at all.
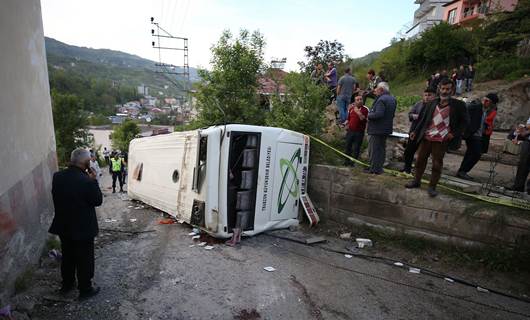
{"x":27,"y":141}
{"x":352,"y":197}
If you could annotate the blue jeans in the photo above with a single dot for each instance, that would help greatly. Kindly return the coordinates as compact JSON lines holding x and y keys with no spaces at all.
{"x":469,"y":84}
{"x":342,"y":105}
{"x":458,"y":86}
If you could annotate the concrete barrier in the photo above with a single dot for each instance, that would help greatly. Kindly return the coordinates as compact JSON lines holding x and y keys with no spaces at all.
{"x":351,"y":197}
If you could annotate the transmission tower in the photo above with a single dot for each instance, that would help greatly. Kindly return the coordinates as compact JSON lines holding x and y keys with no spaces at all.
{"x":164,"y":41}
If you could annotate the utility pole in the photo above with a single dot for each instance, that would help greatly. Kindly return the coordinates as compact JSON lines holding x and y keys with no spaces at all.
{"x":163,"y":41}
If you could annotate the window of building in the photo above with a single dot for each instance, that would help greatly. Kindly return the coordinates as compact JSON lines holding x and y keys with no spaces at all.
{"x":451,"y":16}
{"x":468,"y":11}
{"x":483,"y":7}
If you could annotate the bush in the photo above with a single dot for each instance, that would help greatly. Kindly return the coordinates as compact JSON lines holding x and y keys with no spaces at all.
{"x":404,"y":103}
{"x":123,"y":134}
{"x":302,"y":108}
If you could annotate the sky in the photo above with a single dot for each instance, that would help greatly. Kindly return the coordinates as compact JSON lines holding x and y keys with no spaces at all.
{"x":288,"y":26}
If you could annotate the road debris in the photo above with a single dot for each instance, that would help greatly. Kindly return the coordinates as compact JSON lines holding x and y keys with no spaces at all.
{"x":192,"y":234}
{"x":480,"y":289}
{"x":414,"y":270}
{"x":349,"y":256}
{"x":208,"y":247}
{"x":346,"y":235}
{"x":398,"y":264}
{"x":202,"y":244}
{"x":362,"y":242}
{"x":269,"y":269}
{"x":132,"y":220}
{"x":449,"y":280}
{"x":110,"y":220}
{"x":166,"y":221}
{"x":55,"y":254}
{"x":197,"y":237}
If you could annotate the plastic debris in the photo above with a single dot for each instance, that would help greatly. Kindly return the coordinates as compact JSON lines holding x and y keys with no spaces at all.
{"x":202,"y":244}
{"x":480,"y":289}
{"x":196,"y":230}
{"x":55,"y":254}
{"x":362,"y":242}
{"x":6,"y":311}
{"x":166,"y":221}
{"x":208,"y":247}
{"x":269,"y":269}
{"x":449,"y":280}
{"x":414,"y":270}
{"x":349,"y":256}
{"x":196,"y":237}
{"x":346,"y":235}
{"x":130,"y":206}
{"x":110,"y":220}
{"x":191,"y":245}
{"x":132,"y":220}
{"x":398,"y":264}
{"x":192,"y":234}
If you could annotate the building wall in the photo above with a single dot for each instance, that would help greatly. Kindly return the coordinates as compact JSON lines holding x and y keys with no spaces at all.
{"x":27,"y":144}
{"x":494,"y":6}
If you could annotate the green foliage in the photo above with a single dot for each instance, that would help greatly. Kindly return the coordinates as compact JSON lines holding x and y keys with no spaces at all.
{"x":324,"y":52}
{"x":69,"y":122}
{"x":232,"y":82}
{"x":302,"y":108}
{"x":98,"y":120}
{"x":404,"y":103}
{"x":123,"y":134}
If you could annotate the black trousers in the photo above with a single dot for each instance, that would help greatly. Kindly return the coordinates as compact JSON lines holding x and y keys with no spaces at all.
{"x":523,"y":167}
{"x":354,"y":141}
{"x":123,"y":177}
{"x":78,"y":258}
{"x":485,"y":143}
{"x":472,"y":155}
{"x":408,"y":155}
{"x":117,"y":176}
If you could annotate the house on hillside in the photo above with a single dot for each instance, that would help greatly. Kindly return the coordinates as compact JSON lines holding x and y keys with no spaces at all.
{"x":463,"y":12}
{"x":270,"y":84}
{"x":426,"y":16}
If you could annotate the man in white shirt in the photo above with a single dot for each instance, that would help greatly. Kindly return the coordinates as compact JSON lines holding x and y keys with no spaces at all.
{"x":95,"y":166}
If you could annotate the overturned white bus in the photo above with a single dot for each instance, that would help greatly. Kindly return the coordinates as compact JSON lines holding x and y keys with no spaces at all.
{"x":227,"y":180}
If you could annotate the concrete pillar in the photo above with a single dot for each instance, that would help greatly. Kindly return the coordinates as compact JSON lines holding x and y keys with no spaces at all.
{"x":27,"y":141}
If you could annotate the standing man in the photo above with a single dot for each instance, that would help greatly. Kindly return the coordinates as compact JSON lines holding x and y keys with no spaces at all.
{"x":475,"y":131}
{"x":345,"y":88}
{"x":106,"y":155}
{"x":331,"y":80}
{"x":94,"y":165}
{"x":460,"y":76}
{"x":116,"y":165}
{"x":124,"y":158}
{"x":380,"y":125}
{"x":76,"y":193}
{"x":428,"y":95}
{"x":317,"y":76}
{"x":439,"y":122}
{"x":373,"y":81}
{"x":356,"y":124}
{"x":470,"y":76}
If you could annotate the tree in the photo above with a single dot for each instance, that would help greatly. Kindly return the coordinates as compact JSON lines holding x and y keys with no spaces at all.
{"x":324,"y":52}
{"x":123,"y":134}
{"x":302,"y":108}
{"x":69,"y":123}
{"x":232,"y":84}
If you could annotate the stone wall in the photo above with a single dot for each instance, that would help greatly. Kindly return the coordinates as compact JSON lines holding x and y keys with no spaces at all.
{"x":349,"y":196}
{"x":27,"y":144}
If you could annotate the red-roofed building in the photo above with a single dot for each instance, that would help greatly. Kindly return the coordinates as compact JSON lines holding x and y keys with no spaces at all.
{"x":271,"y":83}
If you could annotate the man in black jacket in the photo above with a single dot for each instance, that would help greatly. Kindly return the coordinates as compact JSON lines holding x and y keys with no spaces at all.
{"x":439,"y":122}
{"x":76,"y":193}
{"x":474,"y":132}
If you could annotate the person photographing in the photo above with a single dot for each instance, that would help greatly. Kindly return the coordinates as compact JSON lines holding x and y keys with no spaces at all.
{"x":76,"y":193}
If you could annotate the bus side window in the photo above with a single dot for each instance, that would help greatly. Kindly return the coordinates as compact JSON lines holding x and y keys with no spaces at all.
{"x":201,"y":162}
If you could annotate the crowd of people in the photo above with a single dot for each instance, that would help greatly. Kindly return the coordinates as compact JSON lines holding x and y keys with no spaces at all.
{"x":439,"y":122}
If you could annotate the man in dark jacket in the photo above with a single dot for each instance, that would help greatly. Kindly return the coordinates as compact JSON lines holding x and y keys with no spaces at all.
{"x":76,"y":193}
{"x":428,"y":95}
{"x":439,"y":122}
{"x":474,"y":132}
{"x":380,"y":125}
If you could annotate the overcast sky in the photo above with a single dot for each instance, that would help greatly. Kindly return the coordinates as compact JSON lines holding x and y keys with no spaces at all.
{"x":288,"y":25}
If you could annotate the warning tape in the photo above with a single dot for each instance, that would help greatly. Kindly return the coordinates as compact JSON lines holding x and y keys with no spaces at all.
{"x":514,"y":203}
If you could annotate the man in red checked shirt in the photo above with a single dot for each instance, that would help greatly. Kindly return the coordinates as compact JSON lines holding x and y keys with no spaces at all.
{"x":439,"y":122}
{"x":355,"y":126}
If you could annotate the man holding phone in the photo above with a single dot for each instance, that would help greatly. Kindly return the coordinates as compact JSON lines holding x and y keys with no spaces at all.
{"x":76,"y":193}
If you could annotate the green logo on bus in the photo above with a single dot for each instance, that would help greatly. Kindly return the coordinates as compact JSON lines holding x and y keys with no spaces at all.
{"x":290,"y":183}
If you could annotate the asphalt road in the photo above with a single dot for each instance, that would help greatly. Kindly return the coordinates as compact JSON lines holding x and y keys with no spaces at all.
{"x":163,"y":274}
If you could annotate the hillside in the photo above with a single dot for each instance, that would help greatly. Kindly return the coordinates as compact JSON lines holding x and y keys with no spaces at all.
{"x":109,"y":65}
